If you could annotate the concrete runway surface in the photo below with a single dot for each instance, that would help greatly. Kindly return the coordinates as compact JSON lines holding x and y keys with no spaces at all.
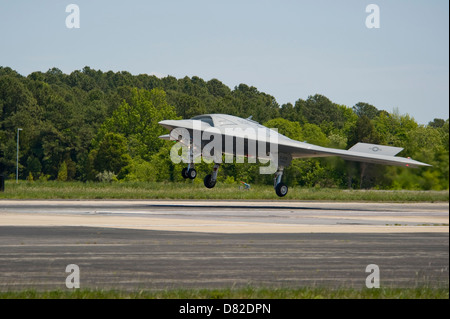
{"x":231,"y":216}
{"x":213,"y":244}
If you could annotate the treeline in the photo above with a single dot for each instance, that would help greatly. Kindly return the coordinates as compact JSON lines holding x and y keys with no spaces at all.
{"x":102,"y":126}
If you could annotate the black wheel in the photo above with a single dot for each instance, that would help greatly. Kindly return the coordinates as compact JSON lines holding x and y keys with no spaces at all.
{"x":192,"y":173}
{"x":281,"y":189}
{"x":208,"y":181}
{"x":184,"y":172}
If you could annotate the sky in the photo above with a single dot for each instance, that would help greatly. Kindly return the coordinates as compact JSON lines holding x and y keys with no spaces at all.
{"x":290,"y":49}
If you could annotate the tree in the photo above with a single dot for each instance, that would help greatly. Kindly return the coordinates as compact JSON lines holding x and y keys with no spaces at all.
{"x":290,"y":129}
{"x":137,"y":120}
{"x":66,"y":118}
{"x":437,"y":123}
{"x":217,"y":88}
{"x":288,"y":112}
{"x":319,"y":110}
{"x":188,"y":106}
{"x":250,"y":102}
{"x":365,"y":109}
{"x":34,"y":166}
{"x":112,"y":154}
{"x":364,"y":131}
{"x":18,"y":109}
{"x":313,"y":134}
{"x":62,"y":172}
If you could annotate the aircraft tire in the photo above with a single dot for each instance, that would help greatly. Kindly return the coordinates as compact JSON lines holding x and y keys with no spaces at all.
{"x":281,"y":189}
{"x":208,"y":182}
{"x":192,"y":173}
{"x":184,"y":173}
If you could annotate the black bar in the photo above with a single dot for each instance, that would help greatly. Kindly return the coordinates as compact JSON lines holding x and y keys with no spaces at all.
{"x":2,"y":183}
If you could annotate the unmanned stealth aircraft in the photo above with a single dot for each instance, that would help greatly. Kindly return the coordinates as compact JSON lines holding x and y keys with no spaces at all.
{"x":212,"y":135}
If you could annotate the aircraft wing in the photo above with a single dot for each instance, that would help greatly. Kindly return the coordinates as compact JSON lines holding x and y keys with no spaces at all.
{"x":360,"y":152}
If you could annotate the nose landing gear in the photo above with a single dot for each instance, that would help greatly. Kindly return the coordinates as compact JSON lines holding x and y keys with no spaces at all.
{"x":190,"y":173}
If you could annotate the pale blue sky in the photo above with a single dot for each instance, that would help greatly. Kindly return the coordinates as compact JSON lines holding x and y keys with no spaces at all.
{"x":288,"y":49}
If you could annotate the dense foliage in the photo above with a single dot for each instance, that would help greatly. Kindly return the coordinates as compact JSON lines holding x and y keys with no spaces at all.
{"x":102,"y":126}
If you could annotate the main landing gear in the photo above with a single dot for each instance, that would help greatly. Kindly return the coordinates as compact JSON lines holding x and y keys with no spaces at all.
{"x":210,"y":180}
{"x":280,"y":188}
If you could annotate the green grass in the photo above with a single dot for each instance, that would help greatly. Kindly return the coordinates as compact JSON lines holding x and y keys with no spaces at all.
{"x":196,"y":190}
{"x":241,"y":293}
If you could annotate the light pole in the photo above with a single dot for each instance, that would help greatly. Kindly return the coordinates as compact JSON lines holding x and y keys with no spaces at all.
{"x":17,"y":162}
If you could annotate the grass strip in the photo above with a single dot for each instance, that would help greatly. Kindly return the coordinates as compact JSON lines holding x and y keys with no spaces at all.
{"x":232,"y":293}
{"x":195,"y":190}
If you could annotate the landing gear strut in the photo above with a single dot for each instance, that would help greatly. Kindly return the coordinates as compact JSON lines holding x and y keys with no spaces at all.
{"x":189,"y":171}
{"x":210,"y":180}
{"x":280,"y":188}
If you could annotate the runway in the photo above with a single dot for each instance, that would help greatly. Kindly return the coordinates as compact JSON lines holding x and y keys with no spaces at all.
{"x":207,"y":244}
{"x":231,"y":216}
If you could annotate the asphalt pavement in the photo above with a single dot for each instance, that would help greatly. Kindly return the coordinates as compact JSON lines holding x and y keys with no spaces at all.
{"x":132,"y":259}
